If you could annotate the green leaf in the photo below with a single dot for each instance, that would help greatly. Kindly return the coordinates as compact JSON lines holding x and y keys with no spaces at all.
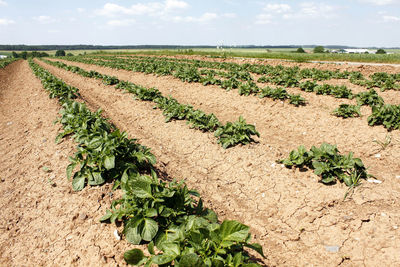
{"x":150,"y":248}
{"x":134,"y":256}
{"x":232,"y":231}
{"x":257,"y":247}
{"x":106,"y":216}
{"x":152,"y":212}
{"x":96,"y":178}
{"x":70,"y":168}
{"x":190,"y":260}
{"x":78,"y":183}
{"x":132,"y":231}
{"x":150,"y":229}
{"x":163,"y":258}
{"x":237,"y":259}
{"x":328,"y":180}
{"x":109,"y":162}
{"x":142,"y":188}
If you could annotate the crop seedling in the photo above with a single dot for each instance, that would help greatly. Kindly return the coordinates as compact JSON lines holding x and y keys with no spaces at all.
{"x":347,"y":111}
{"x":235,"y":133}
{"x":328,"y":163}
{"x":369,"y":98}
{"x":386,"y":115}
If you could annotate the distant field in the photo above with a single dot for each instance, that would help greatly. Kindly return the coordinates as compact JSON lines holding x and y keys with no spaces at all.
{"x":274,"y":53}
{"x":288,"y":54}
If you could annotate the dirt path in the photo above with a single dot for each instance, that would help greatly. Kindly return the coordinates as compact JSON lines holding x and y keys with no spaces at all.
{"x":290,"y":213}
{"x":43,"y":222}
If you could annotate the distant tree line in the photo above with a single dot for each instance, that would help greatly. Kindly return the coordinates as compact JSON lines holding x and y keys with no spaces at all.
{"x":91,"y":47}
{"x":26,"y":55}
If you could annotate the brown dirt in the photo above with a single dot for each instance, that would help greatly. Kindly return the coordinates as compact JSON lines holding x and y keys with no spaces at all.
{"x":295,"y":218}
{"x":43,"y":222}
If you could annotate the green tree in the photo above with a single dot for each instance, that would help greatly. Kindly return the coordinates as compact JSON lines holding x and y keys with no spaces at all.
{"x":300,"y":50}
{"x":24,"y":55}
{"x":381,"y":51}
{"x":60,"y":53}
{"x":319,"y":49}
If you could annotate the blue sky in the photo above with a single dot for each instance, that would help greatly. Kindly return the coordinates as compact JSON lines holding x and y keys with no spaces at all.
{"x":206,"y":22}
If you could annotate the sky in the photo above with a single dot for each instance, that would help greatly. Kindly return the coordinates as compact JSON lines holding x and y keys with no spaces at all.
{"x":359,"y":23}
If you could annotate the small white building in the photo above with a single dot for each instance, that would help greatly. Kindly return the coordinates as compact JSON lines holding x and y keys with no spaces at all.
{"x":359,"y":51}
{"x":2,"y":56}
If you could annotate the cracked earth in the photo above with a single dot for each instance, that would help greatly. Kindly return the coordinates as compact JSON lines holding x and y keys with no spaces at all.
{"x":298,"y":221}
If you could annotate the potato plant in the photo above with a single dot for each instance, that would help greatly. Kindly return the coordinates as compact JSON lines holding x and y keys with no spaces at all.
{"x":329,"y":164}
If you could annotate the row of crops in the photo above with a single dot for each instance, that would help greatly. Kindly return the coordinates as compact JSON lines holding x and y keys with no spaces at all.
{"x":230,"y":134}
{"x":6,"y":61}
{"x":326,"y":161}
{"x":238,"y":76}
{"x":279,"y":75}
{"x":166,"y":216}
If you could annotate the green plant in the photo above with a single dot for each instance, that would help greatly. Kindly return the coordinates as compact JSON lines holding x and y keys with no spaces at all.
{"x":235,"y":133}
{"x":308,"y":86}
{"x":328,"y":163}
{"x":369,"y":98}
{"x":110,"y":80}
{"x":386,"y":115}
{"x":297,"y":100}
{"x":173,"y":219}
{"x":248,"y":88}
{"x":274,"y":93}
{"x":347,"y":111}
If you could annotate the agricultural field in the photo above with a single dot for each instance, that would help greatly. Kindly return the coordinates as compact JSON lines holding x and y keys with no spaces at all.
{"x":197,"y":160}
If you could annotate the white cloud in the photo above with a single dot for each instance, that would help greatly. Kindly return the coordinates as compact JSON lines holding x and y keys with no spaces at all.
{"x":80,"y":10}
{"x":381,"y":2}
{"x":6,"y":22}
{"x":3,"y":3}
{"x":264,"y":19}
{"x":151,"y":9}
{"x":388,"y":18}
{"x":277,"y":8}
{"x":311,"y":10}
{"x":304,"y":10}
{"x":44,"y":19}
{"x":120,"y":22}
{"x":229,"y":15}
{"x":206,"y":17}
{"x":175,"y":4}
